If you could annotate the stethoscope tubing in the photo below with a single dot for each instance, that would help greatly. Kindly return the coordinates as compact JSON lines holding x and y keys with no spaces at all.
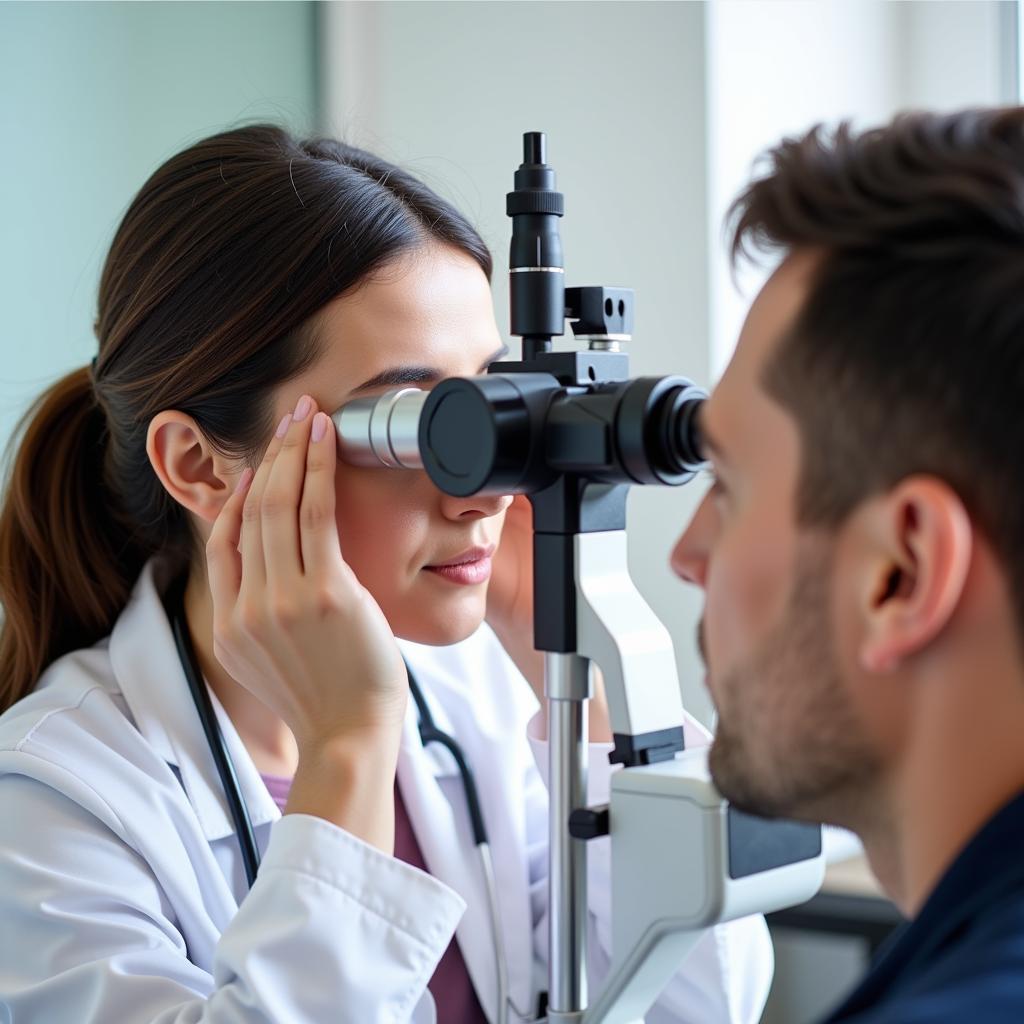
{"x":214,"y":737}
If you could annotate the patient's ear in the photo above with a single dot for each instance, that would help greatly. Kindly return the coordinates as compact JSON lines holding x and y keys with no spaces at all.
{"x":922,"y":542}
{"x":194,"y":474}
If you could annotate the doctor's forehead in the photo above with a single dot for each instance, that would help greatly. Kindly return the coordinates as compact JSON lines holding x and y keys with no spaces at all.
{"x":431,"y":312}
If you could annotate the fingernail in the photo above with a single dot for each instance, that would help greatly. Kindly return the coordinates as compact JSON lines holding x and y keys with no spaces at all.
{"x":302,"y":409}
{"x":320,"y":421}
{"x":244,"y":479}
{"x":282,"y":427}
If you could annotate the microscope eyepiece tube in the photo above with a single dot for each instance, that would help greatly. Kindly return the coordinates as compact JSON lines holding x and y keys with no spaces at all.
{"x":682,"y":437}
{"x":382,"y":431}
{"x":501,"y":434}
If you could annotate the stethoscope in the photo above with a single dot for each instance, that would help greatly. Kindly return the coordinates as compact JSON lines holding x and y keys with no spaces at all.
{"x":429,"y":733}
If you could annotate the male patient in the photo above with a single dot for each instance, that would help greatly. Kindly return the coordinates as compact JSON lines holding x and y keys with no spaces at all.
{"x":862,"y":548}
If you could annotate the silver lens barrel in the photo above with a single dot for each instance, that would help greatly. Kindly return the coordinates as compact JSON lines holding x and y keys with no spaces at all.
{"x":382,"y":431}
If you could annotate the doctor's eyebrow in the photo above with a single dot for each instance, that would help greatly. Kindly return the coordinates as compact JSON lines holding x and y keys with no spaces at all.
{"x":396,"y":376}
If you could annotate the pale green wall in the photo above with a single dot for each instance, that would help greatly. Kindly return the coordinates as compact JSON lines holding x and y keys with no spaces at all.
{"x":93,"y":96}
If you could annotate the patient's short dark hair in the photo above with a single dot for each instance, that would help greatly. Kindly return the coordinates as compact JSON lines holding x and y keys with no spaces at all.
{"x":908,"y":356}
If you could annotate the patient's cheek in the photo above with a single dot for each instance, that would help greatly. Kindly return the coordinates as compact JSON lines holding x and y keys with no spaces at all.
{"x":748,"y":587}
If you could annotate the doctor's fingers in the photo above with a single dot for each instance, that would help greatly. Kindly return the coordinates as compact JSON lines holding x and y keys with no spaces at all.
{"x":279,"y":505}
{"x":223,"y":562}
{"x":318,"y":530}
{"x":254,"y":573}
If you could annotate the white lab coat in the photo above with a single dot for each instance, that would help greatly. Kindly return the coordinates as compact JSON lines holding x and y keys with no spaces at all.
{"x":123,"y":898}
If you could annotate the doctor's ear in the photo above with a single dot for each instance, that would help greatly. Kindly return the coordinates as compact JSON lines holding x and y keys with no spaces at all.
{"x":919,"y":542}
{"x":192,"y":471}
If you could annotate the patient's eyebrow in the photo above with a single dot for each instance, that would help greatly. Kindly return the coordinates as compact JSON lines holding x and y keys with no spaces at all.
{"x":397,"y":376}
{"x":710,"y":447}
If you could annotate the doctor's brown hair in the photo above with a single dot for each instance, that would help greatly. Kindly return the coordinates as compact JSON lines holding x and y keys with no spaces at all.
{"x":206,"y":305}
{"x":908,"y":355}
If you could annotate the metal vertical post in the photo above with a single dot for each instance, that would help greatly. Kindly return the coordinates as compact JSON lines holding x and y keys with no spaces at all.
{"x":568,"y":687}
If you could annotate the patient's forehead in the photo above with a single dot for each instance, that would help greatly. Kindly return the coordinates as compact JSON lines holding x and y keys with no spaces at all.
{"x":773,"y":312}
{"x":740,"y":414}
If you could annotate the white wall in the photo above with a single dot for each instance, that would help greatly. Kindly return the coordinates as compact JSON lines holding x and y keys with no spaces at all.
{"x":448,"y":89}
{"x":956,"y":53}
{"x":93,"y":96}
{"x":776,"y":67}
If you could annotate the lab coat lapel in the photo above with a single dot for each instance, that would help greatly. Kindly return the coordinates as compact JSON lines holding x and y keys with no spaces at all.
{"x":450,"y":857}
{"x":149,"y":673}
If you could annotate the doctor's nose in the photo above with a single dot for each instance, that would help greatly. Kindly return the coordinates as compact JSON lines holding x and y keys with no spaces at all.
{"x":480,"y":506}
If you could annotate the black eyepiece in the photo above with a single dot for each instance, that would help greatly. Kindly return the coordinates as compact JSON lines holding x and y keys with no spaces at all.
{"x":679,"y":450}
{"x":687,"y":433}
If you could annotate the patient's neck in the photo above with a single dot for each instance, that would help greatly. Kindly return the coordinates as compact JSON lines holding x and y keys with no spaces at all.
{"x":964,"y":761}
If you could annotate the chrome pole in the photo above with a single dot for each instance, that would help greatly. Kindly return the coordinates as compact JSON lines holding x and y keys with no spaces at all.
{"x":567,"y":687}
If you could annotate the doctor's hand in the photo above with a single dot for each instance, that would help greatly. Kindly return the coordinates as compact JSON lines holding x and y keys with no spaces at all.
{"x":294,"y":626}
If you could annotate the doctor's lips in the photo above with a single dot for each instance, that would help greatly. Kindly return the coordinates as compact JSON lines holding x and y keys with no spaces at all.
{"x":469,"y":567}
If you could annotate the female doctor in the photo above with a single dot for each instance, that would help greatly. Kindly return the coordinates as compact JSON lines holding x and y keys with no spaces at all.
{"x":256,"y":284}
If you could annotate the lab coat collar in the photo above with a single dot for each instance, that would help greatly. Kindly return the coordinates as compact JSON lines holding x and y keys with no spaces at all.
{"x":453,"y":858}
{"x":437,"y":760}
{"x":449,"y":858}
{"x":431,"y":786}
{"x":146,"y":666}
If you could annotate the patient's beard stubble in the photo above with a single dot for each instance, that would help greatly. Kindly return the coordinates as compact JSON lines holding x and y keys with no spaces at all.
{"x":788,"y":742}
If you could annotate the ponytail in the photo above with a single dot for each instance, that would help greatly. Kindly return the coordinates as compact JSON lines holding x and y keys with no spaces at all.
{"x":67,"y":558}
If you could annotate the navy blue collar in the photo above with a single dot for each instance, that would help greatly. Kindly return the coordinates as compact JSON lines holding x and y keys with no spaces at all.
{"x":990,"y":866}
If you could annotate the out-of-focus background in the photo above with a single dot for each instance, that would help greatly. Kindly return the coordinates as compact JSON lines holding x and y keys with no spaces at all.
{"x":655,"y":113}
